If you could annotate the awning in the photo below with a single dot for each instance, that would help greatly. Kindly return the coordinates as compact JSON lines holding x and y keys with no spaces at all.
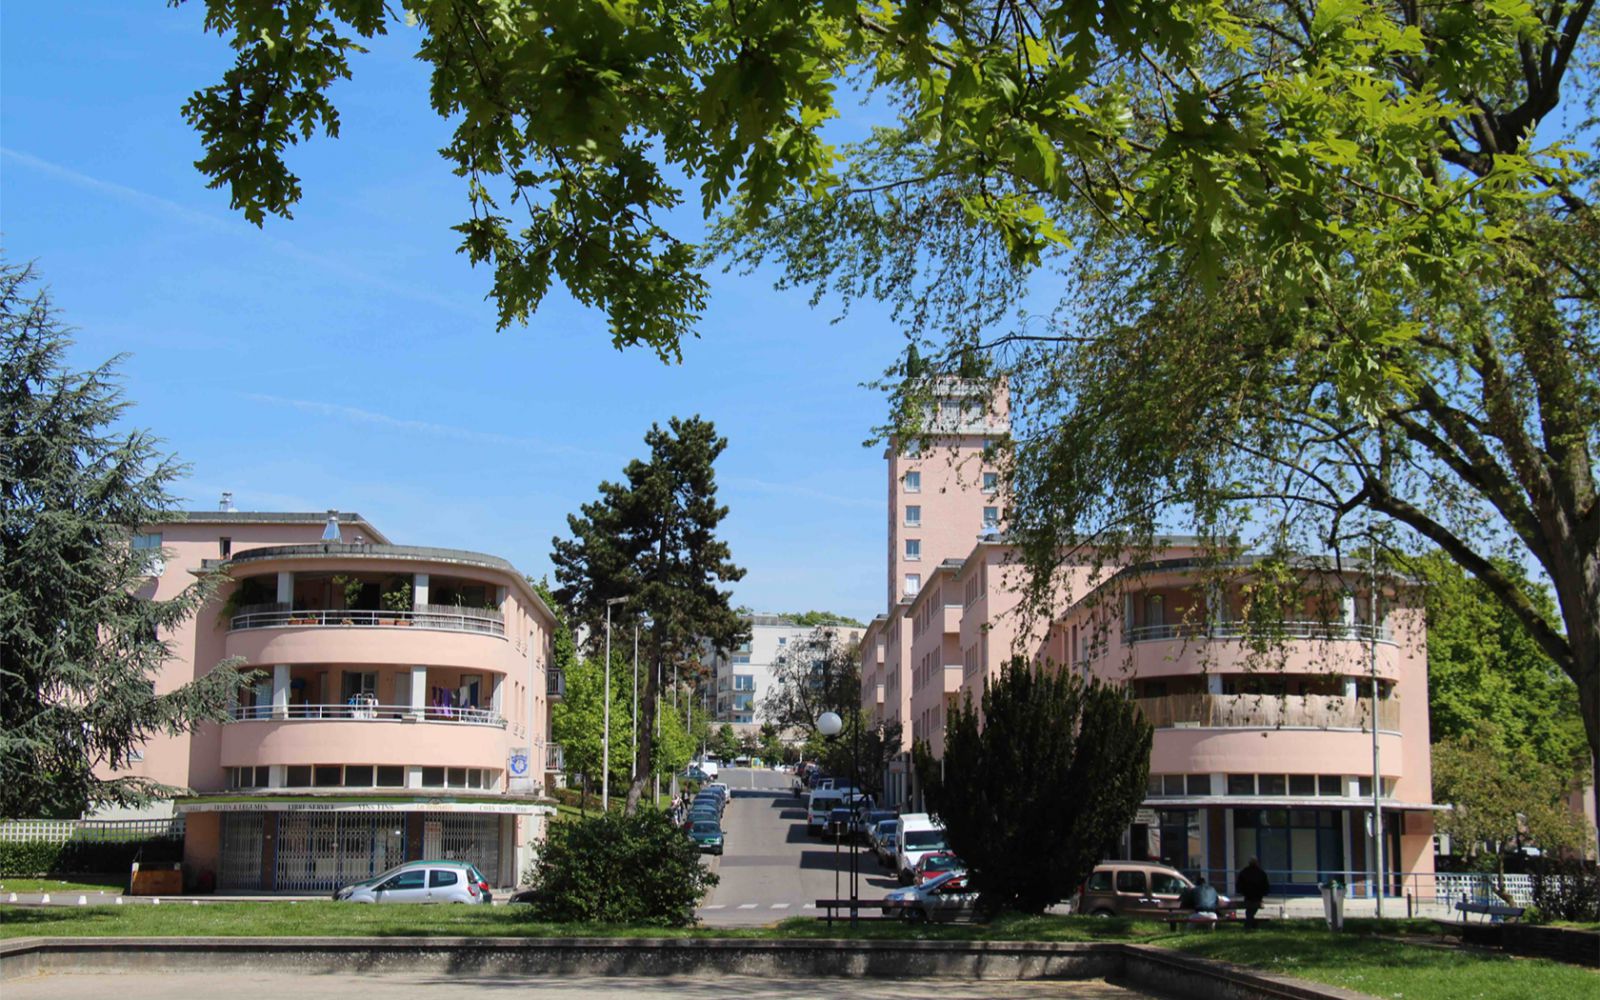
{"x":1286,"y":802}
{"x":357,"y":805}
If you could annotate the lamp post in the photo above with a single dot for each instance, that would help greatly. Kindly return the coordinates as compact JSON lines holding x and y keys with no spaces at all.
{"x":829,"y":724}
{"x":1372,"y":667}
{"x":633,"y":772}
{"x":605,"y":739}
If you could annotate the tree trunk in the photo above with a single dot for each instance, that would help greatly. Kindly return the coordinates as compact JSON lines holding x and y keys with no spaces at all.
{"x":647,"y":733}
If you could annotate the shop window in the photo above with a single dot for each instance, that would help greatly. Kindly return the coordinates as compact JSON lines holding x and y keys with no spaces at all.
{"x":391,"y":776}
{"x":1153,"y":785}
{"x":358,"y":776}
{"x":1302,"y":784}
{"x":1272,"y":784}
{"x":474,"y":777}
{"x":1330,"y":784}
{"x":299,"y":776}
{"x":457,"y":777}
{"x":1241,"y":784}
{"x":433,"y":777}
{"x":327,"y":776}
{"x":1172,"y":784}
{"x":1198,"y":784}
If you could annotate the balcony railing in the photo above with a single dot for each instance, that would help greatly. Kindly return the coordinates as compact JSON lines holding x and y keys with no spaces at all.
{"x":553,"y":760}
{"x":448,"y":617}
{"x":1266,"y":711}
{"x":555,"y":684}
{"x":1245,"y":630}
{"x":367,"y":711}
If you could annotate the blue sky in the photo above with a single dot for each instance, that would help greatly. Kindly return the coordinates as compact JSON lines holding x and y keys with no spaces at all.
{"x":347,"y":358}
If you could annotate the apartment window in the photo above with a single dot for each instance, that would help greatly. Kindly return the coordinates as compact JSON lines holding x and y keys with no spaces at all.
{"x":1273,"y":784}
{"x":1302,"y":784}
{"x":149,"y":548}
{"x":913,"y":483}
{"x":913,"y":548}
{"x":783,"y":640}
{"x":1199,"y":784}
{"x":991,"y":517}
{"x":742,"y":659}
{"x":744,"y":682}
{"x":327,"y":776}
{"x":358,"y":776}
{"x":1330,"y":784}
{"x":225,"y":547}
{"x":391,"y":776}
{"x":913,"y":516}
{"x":913,"y":583}
{"x":457,"y":777}
{"x":299,"y":776}
{"x":433,"y":777}
{"x":1241,"y":784}
{"x":991,"y":482}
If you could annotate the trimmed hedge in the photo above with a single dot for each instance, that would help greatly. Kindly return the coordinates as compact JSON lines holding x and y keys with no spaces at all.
{"x":39,"y":858}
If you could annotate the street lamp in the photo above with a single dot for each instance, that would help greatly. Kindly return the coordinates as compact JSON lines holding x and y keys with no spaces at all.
{"x":605,"y":740}
{"x":830,"y":725}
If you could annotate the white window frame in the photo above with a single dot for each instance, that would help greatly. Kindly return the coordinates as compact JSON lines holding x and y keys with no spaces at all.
{"x":912,"y":584}
{"x":913,"y":550}
{"x":991,"y":521}
{"x":991,"y":482}
{"x":914,"y":520}
{"x":912,"y":481}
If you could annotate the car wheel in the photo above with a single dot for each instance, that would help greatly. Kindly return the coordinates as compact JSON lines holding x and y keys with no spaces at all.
{"x":917,"y":915}
{"x":1103,"y":912}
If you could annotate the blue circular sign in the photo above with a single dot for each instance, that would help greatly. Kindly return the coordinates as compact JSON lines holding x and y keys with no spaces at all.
{"x":519,"y":764}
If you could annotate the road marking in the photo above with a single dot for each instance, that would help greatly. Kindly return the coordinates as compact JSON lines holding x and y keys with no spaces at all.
{"x":747,"y":906}
{"x":810,"y":906}
{"x":780,"y":906}
{"x":715,"y":906}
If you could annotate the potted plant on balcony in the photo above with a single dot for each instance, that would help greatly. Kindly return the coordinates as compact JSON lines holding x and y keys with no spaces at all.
{"x":352,"y":594}
{"x":398,"y":600}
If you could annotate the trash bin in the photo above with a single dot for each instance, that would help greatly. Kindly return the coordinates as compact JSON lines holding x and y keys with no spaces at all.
{"x":1333,"y":905}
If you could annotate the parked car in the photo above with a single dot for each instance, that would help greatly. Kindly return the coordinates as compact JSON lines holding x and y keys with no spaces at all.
{"x":420,"y":882}
{"x":529,"y":897}
{"x":1136,"y":889}
{"x":917,"y":835}
{"x":943,"y":898}
{"x":936,"y":863}
{"x":886,"y":842}
{"x":871,"y":821}
{"x":721,"y":789}
{"x":840,"y":823}
{"x":707,"y":834}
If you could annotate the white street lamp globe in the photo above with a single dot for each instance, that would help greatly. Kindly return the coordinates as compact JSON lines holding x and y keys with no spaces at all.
{"x":829,"y":724}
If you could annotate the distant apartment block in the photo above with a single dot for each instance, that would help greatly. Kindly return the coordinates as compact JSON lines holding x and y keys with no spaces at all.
{"x":1263,"y":742}
{"x":401,"y":711}
{"x":743,"y":677}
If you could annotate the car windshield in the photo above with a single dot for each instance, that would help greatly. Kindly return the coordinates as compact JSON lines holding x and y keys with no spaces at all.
{"x":942,"y":864}
{"x":705,"y":827}
{"x":925,"y":840}
{"x":886,"y":827}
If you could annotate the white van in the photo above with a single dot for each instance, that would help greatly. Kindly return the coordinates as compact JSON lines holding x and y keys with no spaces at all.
{"x":709,"y":766}
{"x":822,"y":802}
{"x":916,"y":835}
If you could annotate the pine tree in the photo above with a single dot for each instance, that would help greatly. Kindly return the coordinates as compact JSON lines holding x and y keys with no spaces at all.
{"x":80,"y":649}
{"x":1034,"y":787}
{"x":651,"y":542}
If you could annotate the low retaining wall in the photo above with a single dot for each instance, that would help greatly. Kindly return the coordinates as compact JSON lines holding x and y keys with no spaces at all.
{"x":1138,"y":966}
{"x":1564,"y":944}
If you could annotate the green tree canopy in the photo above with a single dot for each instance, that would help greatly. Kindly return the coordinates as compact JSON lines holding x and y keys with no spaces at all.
{"x":819,"y":672}
{"x":650,"y":544}
{"x":811,"y":619}
{"x":1033,"y":787}
{"x":82,"y":640}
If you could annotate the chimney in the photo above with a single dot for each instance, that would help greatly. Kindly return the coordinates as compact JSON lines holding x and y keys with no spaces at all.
{"x":331,"y":532}
{"x":226,"y":503}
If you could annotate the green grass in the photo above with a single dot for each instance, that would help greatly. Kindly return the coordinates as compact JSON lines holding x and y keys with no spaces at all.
{"x":76,"y":883}
{"x":1359,"y":959}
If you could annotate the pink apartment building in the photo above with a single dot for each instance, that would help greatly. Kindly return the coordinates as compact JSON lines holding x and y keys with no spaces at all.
{"x":1257,"y":753}
{"x":402,"y":711}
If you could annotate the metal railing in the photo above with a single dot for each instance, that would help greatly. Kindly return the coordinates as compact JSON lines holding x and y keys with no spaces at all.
{"x":1320,"y":630}
{"x":555,"y":684}
{"x":553,"y":758}
{"x":366,"y":711}
{"x":1268,"y":711}
{"x":446,"y":617}
{"x":1296,"y":893}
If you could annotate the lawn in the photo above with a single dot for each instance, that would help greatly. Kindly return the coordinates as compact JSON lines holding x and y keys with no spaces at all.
{"x":1356,"y":959}
{"x":77,"y":883}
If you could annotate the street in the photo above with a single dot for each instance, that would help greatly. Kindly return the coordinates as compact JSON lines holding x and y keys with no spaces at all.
{"x":771,"y":870}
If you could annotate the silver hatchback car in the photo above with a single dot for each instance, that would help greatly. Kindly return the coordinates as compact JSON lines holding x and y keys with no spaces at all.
{"x":420,"y":882}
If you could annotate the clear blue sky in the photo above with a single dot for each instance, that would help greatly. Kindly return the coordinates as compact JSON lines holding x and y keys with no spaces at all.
{"x":347,"y":358}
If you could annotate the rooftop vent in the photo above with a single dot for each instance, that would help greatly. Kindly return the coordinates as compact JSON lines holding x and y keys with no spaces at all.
{"x":226,"y":503}
{"x":331,"y":532}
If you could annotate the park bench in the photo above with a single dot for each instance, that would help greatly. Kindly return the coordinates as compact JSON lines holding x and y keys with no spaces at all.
{"x":1487,"y":909}
{"x":853,"y":907}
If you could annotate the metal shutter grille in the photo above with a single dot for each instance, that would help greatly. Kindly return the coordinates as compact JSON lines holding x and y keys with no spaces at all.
{"x":319,"y":852}
{"x":240,"y":867}
{"x":469,"y":837}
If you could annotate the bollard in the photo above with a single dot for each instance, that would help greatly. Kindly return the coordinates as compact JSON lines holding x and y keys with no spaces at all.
{"x":83,"y":900}
{"x":156,"y":901}
{"x":45,"y":898}
{"x":194,"y":902}
{"x":13,"y":898}
{"x":119,"y":900}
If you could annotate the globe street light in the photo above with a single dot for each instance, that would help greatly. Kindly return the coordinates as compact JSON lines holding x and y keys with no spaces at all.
{"x":829,"y":724}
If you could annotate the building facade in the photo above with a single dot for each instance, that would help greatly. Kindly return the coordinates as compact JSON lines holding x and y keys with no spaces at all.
{"x":1264,"y":742}
{"x":743,"y":677}
{"x":400,"y":711}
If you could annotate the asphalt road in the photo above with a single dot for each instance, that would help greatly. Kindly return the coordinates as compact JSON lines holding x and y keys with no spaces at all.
{"x":246,"y":985}
{"x":770,"y":869}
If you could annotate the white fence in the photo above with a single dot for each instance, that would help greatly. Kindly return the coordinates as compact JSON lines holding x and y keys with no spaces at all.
{"x":1455,"y":886}
{"x":59,"y":831}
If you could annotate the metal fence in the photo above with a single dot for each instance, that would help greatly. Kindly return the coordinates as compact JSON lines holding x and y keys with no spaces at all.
{"x":368,"y":709}
{"x":60,"y":831}
{"x":450,"y":618}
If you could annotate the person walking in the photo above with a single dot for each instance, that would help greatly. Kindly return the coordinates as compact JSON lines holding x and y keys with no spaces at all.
{"x":1253,"y":886}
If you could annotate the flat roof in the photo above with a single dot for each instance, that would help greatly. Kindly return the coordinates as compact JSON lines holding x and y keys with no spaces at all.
{"x":272,"y":517}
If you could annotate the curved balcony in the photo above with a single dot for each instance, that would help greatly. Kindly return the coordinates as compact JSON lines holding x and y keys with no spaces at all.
{"x":367,"y":711}
{"x":1251,"y":711}
{"x":441,"y":617}
{"x":1287,"y":751}
{"x":322,"y":637}
{"x":393,"y":735}
{"x":1314,"y":630}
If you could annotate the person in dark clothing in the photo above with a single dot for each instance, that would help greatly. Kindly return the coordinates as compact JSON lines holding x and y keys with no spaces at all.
{"x":1253,"y":886}
{"x":1202,"y":899}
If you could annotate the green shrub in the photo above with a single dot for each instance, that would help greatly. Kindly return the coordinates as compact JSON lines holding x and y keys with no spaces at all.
{"x":617,"y":869}
{"x":1567,"y":890}
{"x":38,"y":858}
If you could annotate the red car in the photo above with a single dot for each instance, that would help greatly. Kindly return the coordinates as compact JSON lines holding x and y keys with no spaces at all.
{"x":935,"y":864}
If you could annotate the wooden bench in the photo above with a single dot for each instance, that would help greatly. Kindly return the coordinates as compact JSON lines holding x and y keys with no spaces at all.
{"x":853,"y":907}
{"x":1499,"y":911}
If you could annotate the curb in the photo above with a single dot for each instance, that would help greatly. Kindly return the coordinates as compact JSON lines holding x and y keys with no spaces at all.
{"x":1140,"y":966}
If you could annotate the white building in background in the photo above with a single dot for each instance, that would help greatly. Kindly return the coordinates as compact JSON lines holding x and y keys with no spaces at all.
{"x":742,"y":679}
